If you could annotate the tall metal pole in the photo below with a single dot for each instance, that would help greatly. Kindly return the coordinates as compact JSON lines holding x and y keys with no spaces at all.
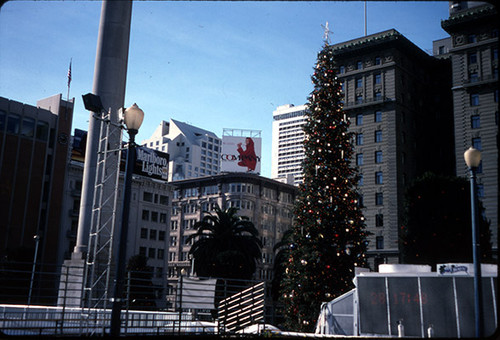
{"x":122,"y":250}
{"x":110,"y":74}
{"x":476,"y":253}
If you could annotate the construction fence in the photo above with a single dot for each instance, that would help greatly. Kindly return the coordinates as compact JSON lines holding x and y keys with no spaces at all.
{"x":53,"y":303}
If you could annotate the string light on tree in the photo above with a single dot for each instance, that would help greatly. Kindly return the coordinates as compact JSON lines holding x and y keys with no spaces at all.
{"x":329,"y":235}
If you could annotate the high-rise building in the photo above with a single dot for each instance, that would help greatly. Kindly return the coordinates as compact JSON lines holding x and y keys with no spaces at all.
{"x":392,"y":91}
{"x":267,"y":203}
{"x":194,"y":152}
{"x":473,"y":27}
{"x":287,"y":144}
{"x":34,"y":146}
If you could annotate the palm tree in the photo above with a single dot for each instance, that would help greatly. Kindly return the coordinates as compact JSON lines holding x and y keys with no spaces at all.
{"x":226,"y":245}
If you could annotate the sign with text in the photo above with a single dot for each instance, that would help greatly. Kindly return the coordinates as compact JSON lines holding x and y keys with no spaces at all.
{"x":149,"y":163}
{"x":241,"y":154}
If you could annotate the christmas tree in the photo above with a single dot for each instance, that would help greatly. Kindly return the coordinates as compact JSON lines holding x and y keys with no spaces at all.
{"x":328,"y":239}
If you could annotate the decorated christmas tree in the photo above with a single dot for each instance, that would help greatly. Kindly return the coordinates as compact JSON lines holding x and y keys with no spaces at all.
{"x":328,"y":239}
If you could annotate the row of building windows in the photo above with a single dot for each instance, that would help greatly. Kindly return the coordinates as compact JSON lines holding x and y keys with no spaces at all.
{"x":154,"y":216}
{"x":360,"y":158}
{"x":154,"y":198}
{"x":377,"y":137}
{"x":25,"y":127}
{"x":379,"y":199}
{"x":379,"y":178}
{"x":152,"y":253}
{"x":377,"y":118}
{"x":153,"y":234}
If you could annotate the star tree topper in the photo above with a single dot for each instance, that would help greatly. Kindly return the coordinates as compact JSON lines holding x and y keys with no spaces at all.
{"x":326,"y":34}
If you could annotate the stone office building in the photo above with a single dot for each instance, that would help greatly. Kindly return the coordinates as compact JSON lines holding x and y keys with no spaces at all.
{"x":473,"y":27}
{"x":398,"y":100}
{"x":268,"y":204}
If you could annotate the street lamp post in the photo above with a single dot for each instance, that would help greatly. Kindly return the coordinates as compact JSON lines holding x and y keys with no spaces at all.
{"x":133,"y":117}
{"x":473,"y":159}
{"x":37,"y":241}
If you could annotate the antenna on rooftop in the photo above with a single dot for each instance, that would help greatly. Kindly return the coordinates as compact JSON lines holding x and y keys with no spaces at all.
{"x":365,"y":18}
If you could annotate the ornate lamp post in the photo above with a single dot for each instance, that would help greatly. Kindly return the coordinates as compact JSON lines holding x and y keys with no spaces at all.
{"x":473,"y":159}
{"x":133,"y":117}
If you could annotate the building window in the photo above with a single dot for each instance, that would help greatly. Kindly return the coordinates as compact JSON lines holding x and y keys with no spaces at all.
{"x":474,"y":99}
{"x":152,"y":253}
{"x":378,"y":96}
{"x":342,"y":69}
{"x":473,"y":77}
{"x":359,"y":65}
{"x":379,"y":220}
{"x":163,"y":218}
{"x":475,"y":122}
{"x":476,"y":143}
{"x":13,"y":123}
{"x":361,"y":201}
{"x":378,"y":156}
{"x":142,"y":251}
{"x":494,"y":53}
{"x":144,"y":233}
{"x":379,"y":177}
{"x":173,"y":241}
{"x":154,"y":216}
{"x":359,"y":83}
{"x":378,"y":136}
{"x":471,"y":38}
{"x":378,"y":116}
{"x":359,"y":139}
{"x":152,"y":234}
{"x":360,"y":181}
{"x":359,"y":159}
{"x":378,"y":61}
{"x":42,"y":131}
{"x":359,"y":119}
{"x":359,"y":99}
{"x":472,"y":58}
{"x":161,"y":235}
{"x":379,"y":198}
{"x":378,"y":78}
{"x":145,"y":215}
{"x":28,"y":127}
{"x":380,"y":242}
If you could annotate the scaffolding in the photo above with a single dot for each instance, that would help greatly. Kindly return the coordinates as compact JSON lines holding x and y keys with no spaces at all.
{"x":104,"y":212}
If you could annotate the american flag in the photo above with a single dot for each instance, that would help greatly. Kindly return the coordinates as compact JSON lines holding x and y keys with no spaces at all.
{"x":69,"y":72}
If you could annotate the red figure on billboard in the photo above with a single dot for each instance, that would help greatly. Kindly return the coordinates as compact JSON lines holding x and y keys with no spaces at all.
{"x":247,"y":157}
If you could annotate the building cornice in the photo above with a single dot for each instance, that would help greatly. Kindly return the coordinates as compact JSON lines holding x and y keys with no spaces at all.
{"x":468,"y":16}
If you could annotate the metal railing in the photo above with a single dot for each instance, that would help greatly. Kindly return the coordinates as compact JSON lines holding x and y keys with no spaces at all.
{"x":52,"y":303}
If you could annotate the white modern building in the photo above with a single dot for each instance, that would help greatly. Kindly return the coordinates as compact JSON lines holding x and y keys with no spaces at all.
{"x":287,"y":144}
{"x":194,"y":152}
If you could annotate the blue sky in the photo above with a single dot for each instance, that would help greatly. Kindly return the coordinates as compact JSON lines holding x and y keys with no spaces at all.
{"x":211,"y":64}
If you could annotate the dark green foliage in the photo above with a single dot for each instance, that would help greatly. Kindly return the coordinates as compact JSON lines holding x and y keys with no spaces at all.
{"x":328,"y":236}
{"x":226,"y":245}
{"x":437,"y":225}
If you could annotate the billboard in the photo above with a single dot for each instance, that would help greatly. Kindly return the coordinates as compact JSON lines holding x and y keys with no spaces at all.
{"x":241,"y":154}
{"x":150,"y":163}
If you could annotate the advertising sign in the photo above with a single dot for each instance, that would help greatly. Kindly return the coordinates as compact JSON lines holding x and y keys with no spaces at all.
{"x":151,"y":163}
{"x":241,"y":154}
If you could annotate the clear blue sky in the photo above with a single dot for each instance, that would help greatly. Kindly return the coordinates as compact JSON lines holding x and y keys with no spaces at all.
{"x":214,"y":65}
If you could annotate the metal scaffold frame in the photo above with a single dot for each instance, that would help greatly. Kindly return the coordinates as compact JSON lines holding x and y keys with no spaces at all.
{"x":104,"y":213}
